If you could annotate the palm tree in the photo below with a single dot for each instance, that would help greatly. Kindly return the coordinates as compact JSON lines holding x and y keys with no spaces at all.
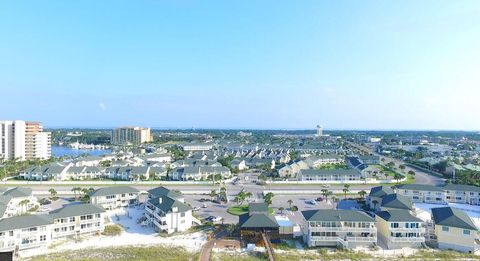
{"x":397,"y":177}
{"x":327,"y":194}
{"x":213,"y":193}
{"x":290,"y":202}
{"x":362,"y":193}
{"x":281,"y":210}
{"x":24,"y":203}
{"x":346,"y":189}
{"x":76,"y":190}
{"x":324,"y":192}
{"x":248,"y":195}
{"x":53,"y":193}
{"x":268,"y":198}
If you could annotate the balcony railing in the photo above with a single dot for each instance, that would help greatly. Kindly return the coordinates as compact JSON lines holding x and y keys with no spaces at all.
{"x":407,"y":230}
{"x":407,"y":239}
{"x":344,"y":239}
{"x":361,"y":239}
{"x":344,"y":229}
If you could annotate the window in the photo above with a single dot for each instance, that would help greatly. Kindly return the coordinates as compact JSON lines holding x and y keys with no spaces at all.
{"x":72,"y":228}
{"x":445,"y":229}
{"x":182,"y":214}
{"x":466,"y":232}
{"x":72,"y":219}
{"x":43,"y":237}
{"x":10,"y":233}
{"x":97,"y":215}
{"x":394,"y":225}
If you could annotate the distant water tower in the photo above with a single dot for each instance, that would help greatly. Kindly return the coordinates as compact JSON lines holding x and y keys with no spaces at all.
{"x":319,"y":131}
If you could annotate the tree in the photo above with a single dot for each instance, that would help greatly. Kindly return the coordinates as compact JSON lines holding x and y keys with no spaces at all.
{"x":248,"y":195}
{"x":75,"y":190}
{"x":411,"y":172}
{"x":281,"y":210}
{"x":402,"y":167}
{"x":213,"y":194}
{"x":268,"y":198}
{"x":290,"y":202}
{"x":24,"y":203}
{"x":53,"y":193}
{"x":362,"y":193}
{"x":397,"y":177}
{"x":391,"y":164}
{"x":294,"y":208}
{"x":346,"y":190}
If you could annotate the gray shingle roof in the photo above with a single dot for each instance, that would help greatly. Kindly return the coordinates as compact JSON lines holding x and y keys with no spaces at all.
{"x":113,"y":190}
{"x":336,"y":215}
{"x":396,"y":201}
{"x":18,"y":192}
{"x":420,"y":187}
{"x":76,"y":210}
{"x":257,"y":207}
{"x":452,"y":217}
{"x":26,"y":221}
{"x":395,"y":215}
{"x":167,"y":204}
{"x":257,"y":221}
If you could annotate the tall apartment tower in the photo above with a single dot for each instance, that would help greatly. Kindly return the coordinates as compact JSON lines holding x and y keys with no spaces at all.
{"x":24,"y":141}
{"x":319,"y":131}
{"x":131,"y":136}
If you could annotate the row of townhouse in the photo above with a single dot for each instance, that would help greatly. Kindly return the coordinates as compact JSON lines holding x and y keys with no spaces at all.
{"x":395,"y":228}
{"x":200,"y":173}
{"x":311,"y":162}
{"x":166,"y":211}
{"x":329,"y":175}
{"x":448,"y":228}
{"x":115,"y":196}
{"x":40,"y":231}
{"x":450,"y":193}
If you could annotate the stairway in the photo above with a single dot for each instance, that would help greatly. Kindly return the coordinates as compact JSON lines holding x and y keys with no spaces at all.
{"x":268,"y":246}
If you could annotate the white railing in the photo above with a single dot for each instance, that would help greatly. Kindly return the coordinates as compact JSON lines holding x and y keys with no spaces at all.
{"x":407,"y":230}
{"x":159,"y":225}
{"x":407,"y":239}
{"x":319,"y":238}
{"x":344,"y":229}
{"x":361,"y":239}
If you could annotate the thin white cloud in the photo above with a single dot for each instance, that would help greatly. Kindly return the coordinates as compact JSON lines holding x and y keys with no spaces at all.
{"x":102,"y":106}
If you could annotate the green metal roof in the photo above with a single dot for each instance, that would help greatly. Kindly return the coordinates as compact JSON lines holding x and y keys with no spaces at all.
{"x":74,"y":210}
{"x":452,"y":217}
{"x":113,"y":190}
{"x":396,"y":201}
{"x":167,"y":204}
{"x":257,"y":221}
{"x":420,"y":187}
{"x":457,"y":187}
{"x":398,"y":215}
{"x":26,"y":221}
{"x":380,"y":191}
{"x":163,"y":191}
{"x":336,"y":215}
{"x":257,"y":207}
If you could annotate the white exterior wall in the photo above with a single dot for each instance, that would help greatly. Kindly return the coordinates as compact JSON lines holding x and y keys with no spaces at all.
{"x":27,"y":238}
{"x":78,"y":225}
{"x":114,"y":201}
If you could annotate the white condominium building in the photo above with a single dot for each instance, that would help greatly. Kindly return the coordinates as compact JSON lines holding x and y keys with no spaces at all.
{"x":131,"y":135}
{"x":24,"y":140}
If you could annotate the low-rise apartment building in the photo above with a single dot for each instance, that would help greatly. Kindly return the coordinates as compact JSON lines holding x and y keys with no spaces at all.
{"x":200,"y":172}
{"x":168,"y":215}
{"x":399,"y":229}
{"x":114,"y":196}
{"x":338,"y":228}
{"x":374,"y":198}
{"x":454,"y":230}
{"x":464,"y":194}
{"x":419,"y":193}
{"x":337,"y":175}
{"x":17,"y":201}
{"x":76,"y":220}
{"x":25,"y":232}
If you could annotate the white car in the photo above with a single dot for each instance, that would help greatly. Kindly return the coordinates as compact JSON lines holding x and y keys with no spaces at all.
{"x":217,"y":219}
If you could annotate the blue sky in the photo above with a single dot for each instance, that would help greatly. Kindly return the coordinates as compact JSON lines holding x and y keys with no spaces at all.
{"x":242,"y":64}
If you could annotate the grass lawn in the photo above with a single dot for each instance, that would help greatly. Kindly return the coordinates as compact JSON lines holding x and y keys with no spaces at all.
{"x":243,"y":209}
{"x":121,"y":253}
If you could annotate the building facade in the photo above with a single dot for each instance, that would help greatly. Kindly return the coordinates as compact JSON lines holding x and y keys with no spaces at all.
{"x":114,"y":196}
{"x":399,"y":229}
{"x":131,"y":136}
{"x":22,"y":140}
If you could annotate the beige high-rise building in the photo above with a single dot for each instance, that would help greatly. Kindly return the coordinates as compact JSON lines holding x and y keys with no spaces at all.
{"x":23,"y":141}
{"x":131,"y":136}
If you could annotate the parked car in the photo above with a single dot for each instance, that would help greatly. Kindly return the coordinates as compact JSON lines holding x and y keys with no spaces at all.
{"x":311,"y":202}
{"x":196,"y":208}
{"x":319,"y":199}
{"x":325,"y":185}
{"x":204,"y":205}
{"x":217,"y":219}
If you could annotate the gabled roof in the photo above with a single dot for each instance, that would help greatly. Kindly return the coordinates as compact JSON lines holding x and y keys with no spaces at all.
{"x":257,"y":207}
{"x":452,"y":217}
{"x":420,"y":187}
{"x":398,"y":215}
{"x":73,"y":210}
{"x":336,"y":215}
{"x":113,"y":190}
{"x":26,"y":221}
{"x":380,"y":191}
{"x":163,"y":191}
{"x":396,"y":201}
{"x":166,"y":204}
{"x":457,"y":187}
{"x":18,"y":192}
{"x":257,"y":221}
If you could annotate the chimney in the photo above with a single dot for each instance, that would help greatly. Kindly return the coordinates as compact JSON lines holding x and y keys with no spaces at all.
{"x":160,"y":200}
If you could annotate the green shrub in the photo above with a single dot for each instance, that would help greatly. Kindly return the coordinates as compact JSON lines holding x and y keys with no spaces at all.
{"x":112,"y":230}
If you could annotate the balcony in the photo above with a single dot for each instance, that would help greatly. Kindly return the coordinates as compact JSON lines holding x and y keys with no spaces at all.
{"x":344,"y":229}
{"x":407,"y":239}
{"x":407,"y":230}
{"x":361,"y":239}
{"x":160,"y":226}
